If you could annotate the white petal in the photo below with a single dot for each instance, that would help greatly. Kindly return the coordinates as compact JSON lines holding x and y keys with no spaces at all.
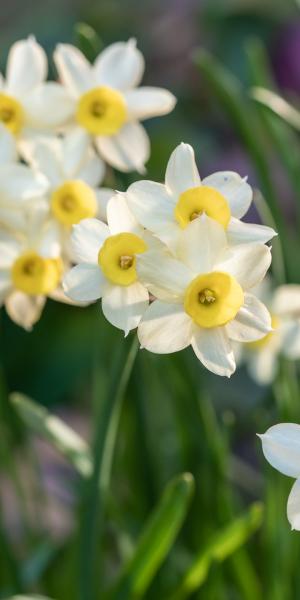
{"x":84,"y":283}
{"x":287,"y":300}
{"x":13,"y":217}
{"x":87,"y":239}
{"x":213,"y":349}
{"x":252,"y":322}
{"x":201,"y":243}
{"x":103,"y":196}
{"x":23,"y":309}
{"x":263,"y":364}
{"x":49,"y":243}
{"x":235,"y":190}
{"x":5,"y":285}
{"x":146,"y":102}
{"x":239,"y":232}
{"x":48,"y":106}
{"x":293,"y":506}
{"x":281,"y":447}
{"x":74,"y":70}
{"x":165,"y":277}
{"x":10,"y":249}
{"x":151,"y":205}
{"x":75,"y":146}
{"x":26,"y":66}
{"x":182,"y":172}
{"x":165,"y":328}
{"x":120,"y":65}
{"x":119,"y":216}
{"x":290,"y":332}
{"x":123,"y":306}
{"x":8,"y":151}
{"x":19,"y":183}
{"x":45,"y":155}
{"x":92,"y":170}
{"x":248,"y":263}
{"x":128,"y":150}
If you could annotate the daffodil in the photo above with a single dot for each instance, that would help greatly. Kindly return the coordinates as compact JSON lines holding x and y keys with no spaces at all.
{"x":167,"y":209}
{"x":108,"y":256}
{"x":108,"y":105}
{"x":27,"y":102}
{"x":27,"y":275}
{"x":281,"y":447}
{"x":262,"y":357}
{"x":73,"y":172}
{"x":202,"y":296}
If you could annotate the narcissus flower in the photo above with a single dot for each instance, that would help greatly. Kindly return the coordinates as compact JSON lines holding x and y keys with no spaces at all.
{"x":107,"y":269}
{"x":107,"y":104}
{"x":262,"y":356}
{"x":281,"y":447}
{"x":166,"y":209}
{"x":27,"y":276}
{"x":27,"y":102}
{"x":202,"y":296}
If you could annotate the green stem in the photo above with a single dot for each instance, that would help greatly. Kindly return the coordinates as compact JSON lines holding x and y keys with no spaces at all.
{"x":97,"y":487}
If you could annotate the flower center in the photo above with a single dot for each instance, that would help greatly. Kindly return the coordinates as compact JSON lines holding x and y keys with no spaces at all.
{"x":73,"y":201}
{"x":101,"y":111}
{"x":264,"y":341}
{"x":203,"y":199}
{"x":213,"y":299}
{"x":35,"y":275}
{"x":117,"y":257}
{"x":11,"y":113}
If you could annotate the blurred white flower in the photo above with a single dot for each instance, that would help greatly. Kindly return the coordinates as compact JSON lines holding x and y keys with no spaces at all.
{"x":27,"y":102}
{"x":107,"y":269}
{"x":202,"y":296}
{"x":262,"y":356}
{"x":108,"y":105}
{"x":281,"y":447}
{"x":166,"y":209}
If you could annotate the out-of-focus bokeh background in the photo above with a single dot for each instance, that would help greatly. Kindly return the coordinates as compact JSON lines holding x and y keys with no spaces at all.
{"x":176,"y":416}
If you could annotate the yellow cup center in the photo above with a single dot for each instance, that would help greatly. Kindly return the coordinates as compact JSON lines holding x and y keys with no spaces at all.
{"x":73,"y":201}
{"x":264,"y":341}
{"x":35,"y":275}
{"x":11,"y":113}
{"x":117,"y":257}
{"x":203,"y":199}
{"x":213,"y":299}
{"x":101,"y":111}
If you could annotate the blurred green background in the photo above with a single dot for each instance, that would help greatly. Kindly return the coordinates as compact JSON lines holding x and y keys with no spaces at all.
{"x":176,"y":416}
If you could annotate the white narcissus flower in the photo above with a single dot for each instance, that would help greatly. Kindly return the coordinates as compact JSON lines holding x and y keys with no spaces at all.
{"x":166,"y":209}
{"x":73,"y":172}
{"x":107,"y":269}
{"x":27,"y":277}
{"x":262,"y":356}
{"x":202,"y":296}
{"x":27,"y":102}
{"x":281,"y":447}
{"x":107,"y":103}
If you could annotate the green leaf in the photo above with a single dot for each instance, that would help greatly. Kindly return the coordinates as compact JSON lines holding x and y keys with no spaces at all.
{"x":87,"y":40}
{"x":53,"y":429}
{"x":156,"y":540}
{"x":34,"y":597}
{"x":220,"y":547}
{"x":277,"y":105}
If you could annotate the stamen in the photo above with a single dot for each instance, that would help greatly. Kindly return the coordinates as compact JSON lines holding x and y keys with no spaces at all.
{"x":68,"y":203}
{"x":206,"y":296}
{"x":195,"y":214}
{"x":30,"y":267}
{"x":126,"y":262}
{"x":97,"y":109}
{"x":6,"y":115}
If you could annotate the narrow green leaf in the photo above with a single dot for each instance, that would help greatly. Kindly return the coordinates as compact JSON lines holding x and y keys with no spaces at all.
{"x":53,"y":429}
{"x":277,"y":105}
{"x":34,"y":597}
{"x":156,"y":540}
{"x":87,"y":40}
{"x":220,"y":547}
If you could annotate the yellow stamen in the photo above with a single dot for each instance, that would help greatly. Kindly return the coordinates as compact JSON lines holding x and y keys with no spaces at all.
{"x":35,"y":275}
{"x":203,"y":199}
{"x":73,"y":201}
{"x":117,"y":257}
{"x":11,"y":113}
{"x":213,"y":299}
{"x":101,"y":111}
